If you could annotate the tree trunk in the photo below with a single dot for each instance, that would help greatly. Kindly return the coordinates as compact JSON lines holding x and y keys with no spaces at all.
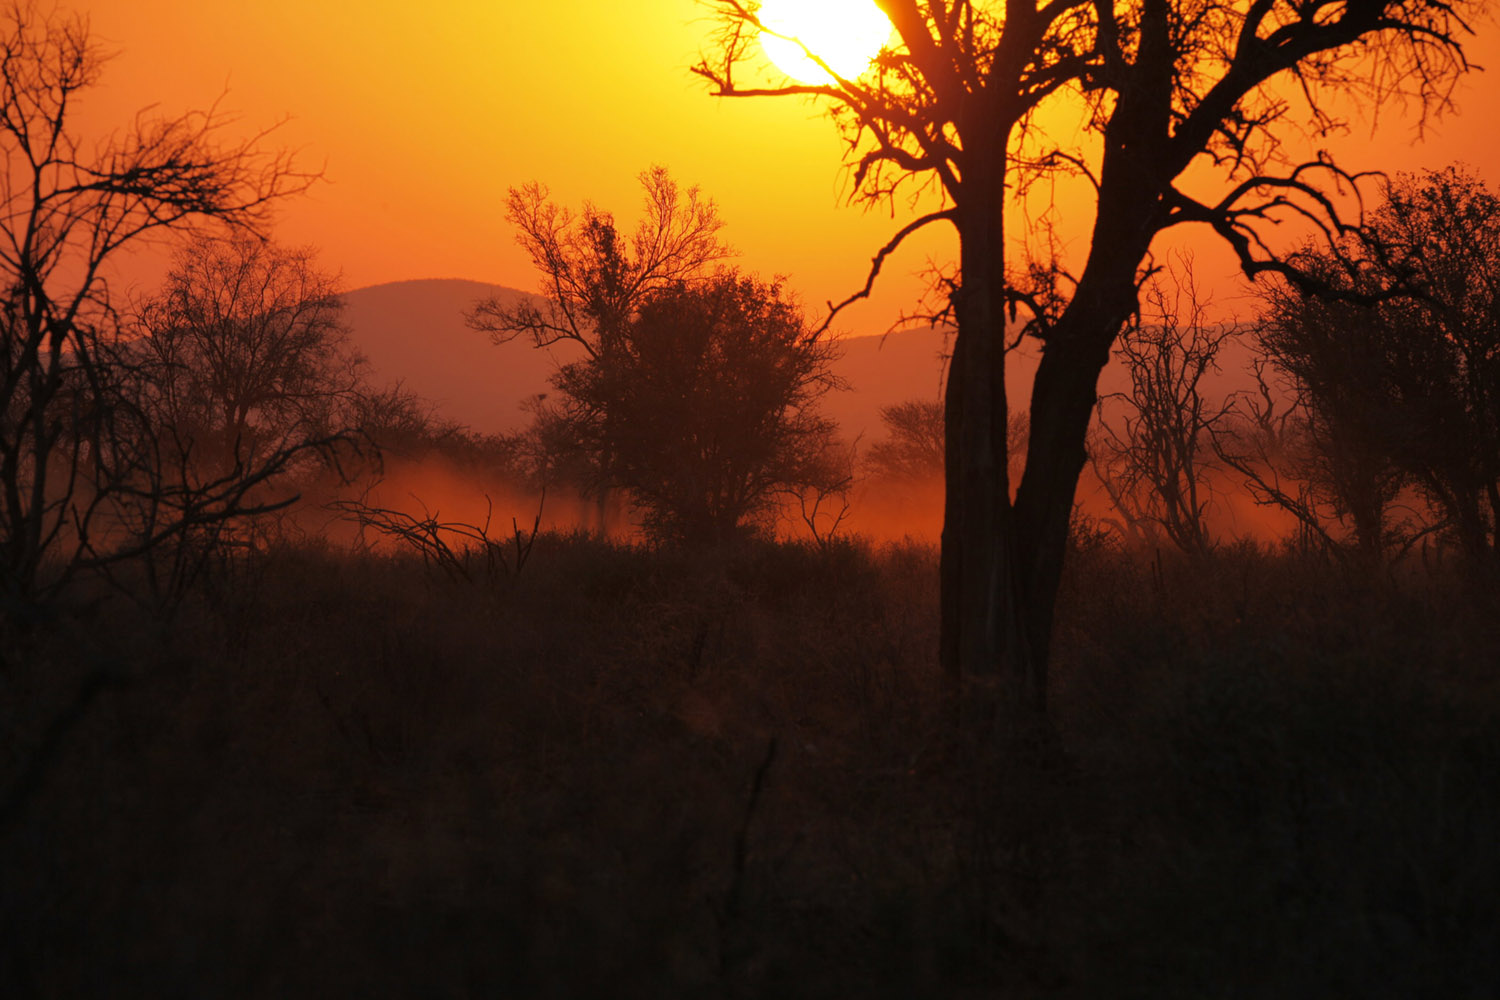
{"x":1064,"y":394}
{"x":986,"y":648}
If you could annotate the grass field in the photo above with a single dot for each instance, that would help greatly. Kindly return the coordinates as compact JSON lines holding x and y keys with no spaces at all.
{"x":633,"y":773}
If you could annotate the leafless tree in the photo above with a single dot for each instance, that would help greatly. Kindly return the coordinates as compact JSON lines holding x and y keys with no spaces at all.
{"x":913,"y":445}
{"x":1159,"y":90}
{"x":1155,"y":463}
{"x":822,"y":492}
{"x":72,"y":442}
{"x":248,"y":352}
{"x":593,"y":276}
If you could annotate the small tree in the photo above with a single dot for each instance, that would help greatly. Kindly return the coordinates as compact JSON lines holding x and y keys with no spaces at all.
{"x":702,"y":406}
{"x":912,"y":450}
{"x":1154,"y":464}
{"x":248,"y":352}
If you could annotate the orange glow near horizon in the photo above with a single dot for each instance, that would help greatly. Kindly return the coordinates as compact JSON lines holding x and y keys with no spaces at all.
{"x":423,"y":116}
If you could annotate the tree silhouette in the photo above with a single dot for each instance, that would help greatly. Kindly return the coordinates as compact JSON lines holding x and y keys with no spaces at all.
{"x":76,"y":452}
{"x":1401,"y":381}
{"x":248,"y":352}
{"x":703,"y":406}
{"x":1154,"y":463}
{"x":593,"y":276}
{"x":1159,"y":89}
{"x":697,"y":390}
{"x":913,"y":445}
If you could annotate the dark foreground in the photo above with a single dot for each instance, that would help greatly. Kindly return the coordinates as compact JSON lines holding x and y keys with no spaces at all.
{"x":633,"y":774}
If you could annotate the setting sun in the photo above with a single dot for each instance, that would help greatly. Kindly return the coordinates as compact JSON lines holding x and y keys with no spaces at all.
{"x":844,"y":34}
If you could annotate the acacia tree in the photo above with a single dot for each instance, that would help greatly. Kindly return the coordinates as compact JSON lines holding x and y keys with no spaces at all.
{"x":1158,"y":88}
{"x":74,"y":443}
{"x":913,"y":445}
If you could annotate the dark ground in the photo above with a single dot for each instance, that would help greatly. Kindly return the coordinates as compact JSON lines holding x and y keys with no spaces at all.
{"x":628,"y":773}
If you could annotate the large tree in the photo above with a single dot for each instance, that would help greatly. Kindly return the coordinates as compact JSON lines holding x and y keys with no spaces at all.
{"x":1160,"y":92}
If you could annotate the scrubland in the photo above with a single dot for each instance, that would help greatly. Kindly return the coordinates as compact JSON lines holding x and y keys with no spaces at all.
{"x":629,"y":772}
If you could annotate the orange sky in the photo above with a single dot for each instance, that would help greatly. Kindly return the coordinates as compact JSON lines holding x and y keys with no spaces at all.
{"x":424,"y":113}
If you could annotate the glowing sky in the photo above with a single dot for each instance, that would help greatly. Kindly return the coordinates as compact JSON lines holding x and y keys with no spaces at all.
{"x":422,"y":115}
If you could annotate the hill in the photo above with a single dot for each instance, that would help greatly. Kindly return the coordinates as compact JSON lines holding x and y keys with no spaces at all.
{"x":414,"y":332}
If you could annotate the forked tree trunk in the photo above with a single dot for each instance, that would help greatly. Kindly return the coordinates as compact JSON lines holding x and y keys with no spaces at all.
{"x":986,"y":644}
{"x":1001,"y":561}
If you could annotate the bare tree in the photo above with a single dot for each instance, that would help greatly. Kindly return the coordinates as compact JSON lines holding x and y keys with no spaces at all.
{"x":70,"y":445}
{"x":913,"y":446}
{"x":1154,"y":464}
{"x":1158,"y":89}
{"x":248,"y":352}
{"x":594,"y":277}
{"x":822,"y":490}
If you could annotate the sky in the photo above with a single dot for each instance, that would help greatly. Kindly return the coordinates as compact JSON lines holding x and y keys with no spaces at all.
{"x":422,"y":115}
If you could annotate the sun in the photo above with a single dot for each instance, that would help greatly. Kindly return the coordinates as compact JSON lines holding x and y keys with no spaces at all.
{"x":845,"y":34}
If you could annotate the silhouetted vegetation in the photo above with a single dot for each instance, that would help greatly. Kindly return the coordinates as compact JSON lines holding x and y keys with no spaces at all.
{"x":912,"y":448}
{"x":352,"y":774}
{"x":376,"y":747}
{"x":87,"y":479}
{"x":697,"y":393}
{"x":1154,"y":457}
{"x":1400,"y":380}
{"x":1155,"y":92}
